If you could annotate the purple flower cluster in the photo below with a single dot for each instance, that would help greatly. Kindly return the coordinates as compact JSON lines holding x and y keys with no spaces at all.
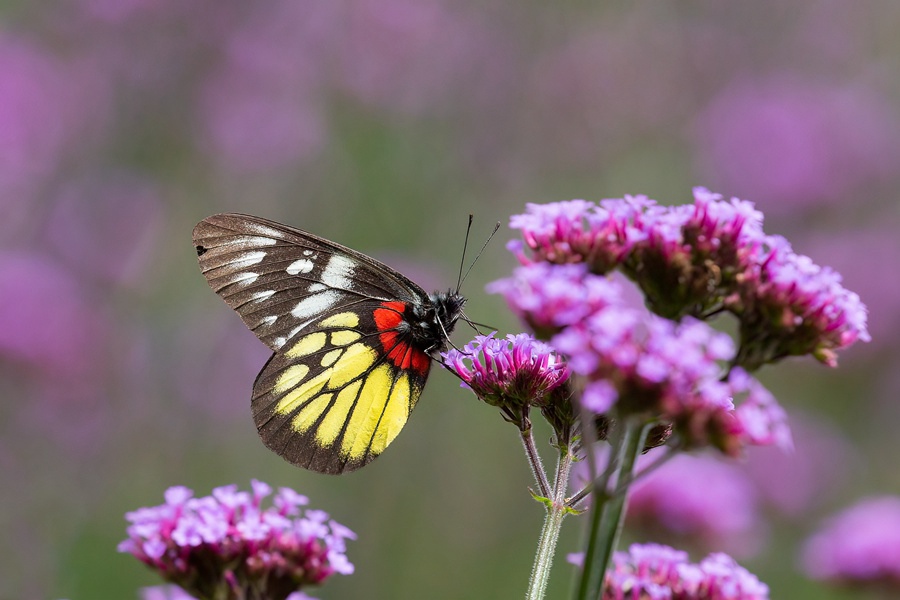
{"x":696,"y":260}
{"x":515,"y":374}
{"x":173,"y":592}
{"x":576,"y":231}
{"x":657,"y":572}
{"x":635,"y":362}
{"x":860,"y":545}
{"x":227,"y":542}
{"x":516,"y":369}
{"x":549,"y":297}
{"x":792,"y":306}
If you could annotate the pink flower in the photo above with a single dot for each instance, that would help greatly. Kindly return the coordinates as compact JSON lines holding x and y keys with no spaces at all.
{"x":228,"y":542}
{"x":860,"y":545}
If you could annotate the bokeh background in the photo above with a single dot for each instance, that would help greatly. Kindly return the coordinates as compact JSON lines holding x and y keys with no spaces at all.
{"x":382,"y":124}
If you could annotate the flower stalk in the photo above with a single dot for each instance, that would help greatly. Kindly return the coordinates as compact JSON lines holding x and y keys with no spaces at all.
{"x":608,"y":511}
{"x":557,"y":509}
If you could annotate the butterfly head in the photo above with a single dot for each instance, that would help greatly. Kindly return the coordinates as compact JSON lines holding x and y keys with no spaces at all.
{"x":431,"y":323}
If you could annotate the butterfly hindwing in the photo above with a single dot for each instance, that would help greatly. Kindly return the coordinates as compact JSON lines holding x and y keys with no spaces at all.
{"x":335,"y":398}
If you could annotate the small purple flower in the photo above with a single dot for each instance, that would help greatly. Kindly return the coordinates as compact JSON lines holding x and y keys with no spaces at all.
{"x":517,"y":368}
{"x":791,"y":306}
{"x":646,"y":362}
{"x":548,"y":297}
{"x":574,"y":231}
{"x":660,"y":572}
{"x":860,"y":545}
{"x":228,"y":542}
{"x":514,"y":374}
{"x":689,"y":258}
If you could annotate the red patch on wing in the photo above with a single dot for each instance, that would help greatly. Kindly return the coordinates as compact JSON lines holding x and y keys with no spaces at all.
{"x":400,"y":353}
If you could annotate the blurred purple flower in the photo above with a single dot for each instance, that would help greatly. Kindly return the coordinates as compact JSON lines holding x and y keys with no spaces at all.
{"x":47,"y":319}
{"x":253,"y":122}
{"x":411,"y":56}
{"x":860,"y":545}
{"x":107,"y":225}
{"x":45,"y":106}
{"x":699,"y":501}
{"x":217,"y":358}
{"x":796,"y":482}
{"x":591,"y":96}
{"x":227,"y":542}
{"x":793,"y":145}
{"x":657,"y":572}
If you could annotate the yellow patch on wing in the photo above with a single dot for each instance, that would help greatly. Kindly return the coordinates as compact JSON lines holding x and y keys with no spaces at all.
{"x":290,"y":378}
{"x":307,"y":345}
{"x":330,"y":357}
{"x":367,"y":414}
{"x":344,"y":337}
{"x":396,"y":412}
{"x":307,"y":416}
{"x":298,"y":396}
{"x":355,"y":360}
{"x":346,"y":319}
{"x":333,"y":423}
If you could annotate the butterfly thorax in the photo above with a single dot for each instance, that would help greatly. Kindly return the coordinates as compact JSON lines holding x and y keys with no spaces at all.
{"x":430,"y":323}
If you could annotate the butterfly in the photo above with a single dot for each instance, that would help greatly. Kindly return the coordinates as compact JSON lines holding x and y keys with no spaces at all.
{"x":352,"y":338}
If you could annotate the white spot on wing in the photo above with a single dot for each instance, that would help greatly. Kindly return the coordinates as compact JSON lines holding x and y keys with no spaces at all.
{"x":260,"y":296}
{"x":278,"y":342}
{"x":269,"y":319}
{"x":248,"y":241}
{"x":315,"y":304}
{"x":251,"y":258}
{"x":304,"y":265}
{"x":338,"y":272}
{"x":245,"y":278}
{"x":317,"y":287}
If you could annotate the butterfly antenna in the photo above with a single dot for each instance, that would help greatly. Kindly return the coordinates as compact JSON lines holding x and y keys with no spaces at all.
{"x":475,"y":325}
{"x":462,"y":260}
{"x":480,"y":252}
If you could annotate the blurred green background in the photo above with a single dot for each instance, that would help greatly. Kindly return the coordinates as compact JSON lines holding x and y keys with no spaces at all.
{"x":382,"y":124}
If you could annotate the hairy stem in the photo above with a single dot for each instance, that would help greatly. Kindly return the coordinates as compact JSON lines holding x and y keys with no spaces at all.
{"x":556,"y":511}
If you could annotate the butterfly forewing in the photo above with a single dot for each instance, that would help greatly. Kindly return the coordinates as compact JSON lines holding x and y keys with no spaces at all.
{"x":350,"y":336}
{"x":279,"y":278}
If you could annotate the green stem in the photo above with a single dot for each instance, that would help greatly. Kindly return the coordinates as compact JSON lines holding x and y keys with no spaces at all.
{"x":609,"y":512}
{"x":534,"y":460}
{"x":556,"y":511}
